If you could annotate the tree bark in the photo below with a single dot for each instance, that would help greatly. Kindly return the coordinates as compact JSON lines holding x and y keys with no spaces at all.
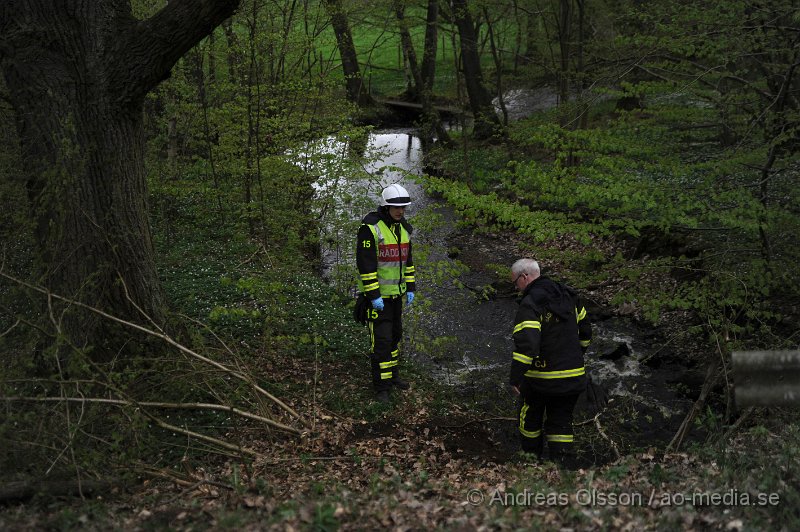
{"x":77,"y":73}
{"x":431,"y":121}
{"x":487,"y":123}
{"x":583,"y":109}
{"x":356,"y":91}
{"x":531,"y":24}
{"x":498,"y":66}
{"x":564,"y":24}
{"x":408,"y":48}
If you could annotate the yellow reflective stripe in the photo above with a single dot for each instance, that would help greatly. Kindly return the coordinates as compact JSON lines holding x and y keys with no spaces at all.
{"x":526,"y":433}
{"x":519,"y":357}
{"x":369,"y":276}
{"x":409,"y":269}
{"x":561,"y":438}
{"x":395,"y":353}
{"x":581,"y":314}
{"x":385,"y":376}
{"x":371,"y":335}
{"x":527,"y":325}
{"x":585,"y":343}
{"x":387,"y":365}
{"x":563,"y":374}
{"x":410,"y":279}
{"x":371,"y":286}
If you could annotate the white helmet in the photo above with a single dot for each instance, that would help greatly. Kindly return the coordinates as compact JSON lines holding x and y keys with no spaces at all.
{"x":395,"y":196}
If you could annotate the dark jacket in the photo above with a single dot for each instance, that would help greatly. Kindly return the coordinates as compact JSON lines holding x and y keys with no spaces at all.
{"x":551,"y":333}
{"x":366,"y":248}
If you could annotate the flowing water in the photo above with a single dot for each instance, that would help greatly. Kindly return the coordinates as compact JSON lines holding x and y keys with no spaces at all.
{"x":460,"y":328}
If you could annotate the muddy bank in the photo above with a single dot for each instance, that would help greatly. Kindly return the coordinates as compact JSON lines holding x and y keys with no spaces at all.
{"x":464,"y":339}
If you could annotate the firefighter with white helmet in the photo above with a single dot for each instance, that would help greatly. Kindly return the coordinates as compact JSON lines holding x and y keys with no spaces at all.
{"x":386,"y":277}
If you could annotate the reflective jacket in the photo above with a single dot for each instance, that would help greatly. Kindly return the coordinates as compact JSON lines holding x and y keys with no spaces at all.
{"x":383,"y":256}
{"x":551,"y":333}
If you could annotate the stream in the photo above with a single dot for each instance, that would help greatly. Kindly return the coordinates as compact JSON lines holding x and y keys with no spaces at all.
{"x":459,"y":329}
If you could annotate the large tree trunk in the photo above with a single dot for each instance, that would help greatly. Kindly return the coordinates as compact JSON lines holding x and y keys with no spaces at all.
{"x":356,"y":91}
{"x":77,"y":73}
{"x":486,"y":122}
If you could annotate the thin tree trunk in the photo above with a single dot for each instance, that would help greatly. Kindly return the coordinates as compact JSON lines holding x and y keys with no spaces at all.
{"x":530,"y":35}
{"x":356,"y":91}
{"x":202,"y":96}
{"x":778,"y":130}
{"x":234,"y":56}
{"x":564,"y":24}
{"x":252,"y":111}
{"x":498,"y":66}
{"x":487,"y":123}
{"x":212,"y":59}
{"x":580,"y":74}
{"x":431,"y":120}
{"x":408,"y":48}
{"x":518,"y":37}
{"x":172,"y":145}
{"x":286,"y":29}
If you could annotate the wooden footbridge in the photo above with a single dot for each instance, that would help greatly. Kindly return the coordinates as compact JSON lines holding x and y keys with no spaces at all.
{"x":445,"y":111}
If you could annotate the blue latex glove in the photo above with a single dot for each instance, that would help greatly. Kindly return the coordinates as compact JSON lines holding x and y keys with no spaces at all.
{"x":377,"y":303}
{"x":409,"y":297}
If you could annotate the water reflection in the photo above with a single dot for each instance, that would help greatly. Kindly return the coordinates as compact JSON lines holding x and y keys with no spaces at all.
{"x":351,"y":173}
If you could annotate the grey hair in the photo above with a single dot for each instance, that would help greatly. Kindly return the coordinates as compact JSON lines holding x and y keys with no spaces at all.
{"x":529,"y":266}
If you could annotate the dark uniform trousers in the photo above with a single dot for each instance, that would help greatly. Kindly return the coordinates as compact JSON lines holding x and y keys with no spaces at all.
{"x":385,"y":333}
{"x":546,"y":416}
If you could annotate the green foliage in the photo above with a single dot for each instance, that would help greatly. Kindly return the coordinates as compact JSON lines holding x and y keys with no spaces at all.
{"x":492,"y":211}
{"x":324,"y":518}
{"x":772,"y":470}
{"x":640,"y":177}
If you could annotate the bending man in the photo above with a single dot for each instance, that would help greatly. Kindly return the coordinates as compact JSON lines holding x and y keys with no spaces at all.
{"x":551,"y":334}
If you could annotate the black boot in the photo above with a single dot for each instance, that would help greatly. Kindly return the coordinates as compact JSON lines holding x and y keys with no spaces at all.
{"x":400,"y":384}
{"x":382,"y":396}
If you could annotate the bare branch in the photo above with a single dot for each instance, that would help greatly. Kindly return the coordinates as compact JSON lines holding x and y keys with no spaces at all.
{"x":11,"y":328}
{"x":203,"y":437}
{"x":605,"y":436}
{"x":183,"y":349}
{"x":180,"y":406}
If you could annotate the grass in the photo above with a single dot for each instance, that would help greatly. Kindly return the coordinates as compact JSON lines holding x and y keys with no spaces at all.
{"x":377,"y":43}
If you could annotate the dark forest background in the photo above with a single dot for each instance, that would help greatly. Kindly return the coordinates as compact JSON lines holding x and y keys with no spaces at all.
{"x":162,"y":313}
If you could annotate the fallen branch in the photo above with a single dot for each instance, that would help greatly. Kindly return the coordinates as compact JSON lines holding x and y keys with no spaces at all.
{"x":605,"y":436}
{"x":171,"y":476}
{"x":5,"y":333}
{"x":203,"y":437}
{"x":276,"y":461}
{"x":26,"y":489}
{"x":168,"y":340}
{"x":712,"y":376}
{"x":733,"y":428}
{"x":482,"y":420}
{"x":182,"y":494}
{"x":182,"y":406}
